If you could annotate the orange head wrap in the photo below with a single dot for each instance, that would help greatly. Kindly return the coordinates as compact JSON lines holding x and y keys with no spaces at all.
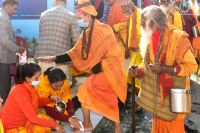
{"x":87,"y":7}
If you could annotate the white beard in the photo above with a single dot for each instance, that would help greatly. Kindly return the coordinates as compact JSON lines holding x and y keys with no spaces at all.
{"x":146,"y":35}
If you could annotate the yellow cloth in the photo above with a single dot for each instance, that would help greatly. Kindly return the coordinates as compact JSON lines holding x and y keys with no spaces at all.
{"x":135,"y":59}
{"x":134,"y":32}
{"x":45,"y":90}
{"x":133,"y":42}
{"x":121,"y":30}
{"x":174,"y":17}
{"x":31,"y":128}
{"x":1,"y":127}
{"x":179,"y":51}
{"x":119,"y":22}
{"x":177,"y":23}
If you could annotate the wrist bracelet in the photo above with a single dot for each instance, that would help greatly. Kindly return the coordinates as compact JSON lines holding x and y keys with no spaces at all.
{"x":175,"y":70}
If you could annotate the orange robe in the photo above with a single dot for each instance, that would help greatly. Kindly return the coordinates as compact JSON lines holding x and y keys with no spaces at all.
{"x":134,"y":35}
{"x":116,"y":15}
{"x":100,"y":91}
{"x":196,"y":43}
{"x":20,"y":112}
{"x":45,"y":90}
{"x":119,"y":23}
{"x":177,"y":50}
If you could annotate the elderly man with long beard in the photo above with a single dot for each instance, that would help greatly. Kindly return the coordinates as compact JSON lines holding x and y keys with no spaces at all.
{"x":166,"y":53}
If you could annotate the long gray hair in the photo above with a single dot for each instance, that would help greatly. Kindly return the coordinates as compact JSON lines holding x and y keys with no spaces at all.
{"x":156,"y":14}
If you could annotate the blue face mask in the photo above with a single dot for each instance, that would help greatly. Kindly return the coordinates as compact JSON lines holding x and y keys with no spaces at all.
{"x":35,"y":83}
{"x":82,"y":24}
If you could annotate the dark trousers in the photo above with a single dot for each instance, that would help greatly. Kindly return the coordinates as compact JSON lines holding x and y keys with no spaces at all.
{"x":5,"y":80}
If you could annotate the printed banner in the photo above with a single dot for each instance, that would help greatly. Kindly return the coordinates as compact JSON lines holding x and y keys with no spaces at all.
{"x":29,"y":9}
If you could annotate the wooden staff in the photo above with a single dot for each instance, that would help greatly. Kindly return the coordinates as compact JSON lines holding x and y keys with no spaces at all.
{"x":133,"y":105}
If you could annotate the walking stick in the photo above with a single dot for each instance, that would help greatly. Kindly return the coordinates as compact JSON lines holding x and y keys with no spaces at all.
{"x":133,"y":105}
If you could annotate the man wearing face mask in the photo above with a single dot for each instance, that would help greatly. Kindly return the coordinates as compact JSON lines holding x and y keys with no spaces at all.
{"x":58,"y":32}
{"x":97,"y":50}
{"x":20,"y":113}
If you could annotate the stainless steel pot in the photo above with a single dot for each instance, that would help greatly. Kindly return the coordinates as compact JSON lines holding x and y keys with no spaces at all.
{"x":180,"y":100}
{"x":60,"y":106}
{"x":195,"y":31}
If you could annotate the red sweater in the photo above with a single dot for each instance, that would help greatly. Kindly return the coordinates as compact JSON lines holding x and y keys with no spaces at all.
{"x":18,"y":109}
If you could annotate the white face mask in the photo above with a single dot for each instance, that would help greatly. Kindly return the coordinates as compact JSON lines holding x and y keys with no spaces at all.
{"x":35,"y":83}
{"x":82,"y":24}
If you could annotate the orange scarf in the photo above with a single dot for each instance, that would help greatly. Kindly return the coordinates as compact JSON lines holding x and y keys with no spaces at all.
{"x":166,"y":82}
{"x":134,"y":38}
{"x":34,"y":98}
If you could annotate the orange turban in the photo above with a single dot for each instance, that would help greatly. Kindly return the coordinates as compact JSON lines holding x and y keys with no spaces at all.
{"x":87,"y":7}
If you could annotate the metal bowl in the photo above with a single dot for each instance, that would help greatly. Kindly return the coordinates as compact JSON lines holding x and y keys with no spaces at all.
{"x":60,"y":106}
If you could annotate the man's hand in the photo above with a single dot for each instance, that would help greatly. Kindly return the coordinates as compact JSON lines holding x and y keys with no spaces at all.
{"x":74,"y":122}
{"x":60,"y":129}
{"x":55,"y":98}
{"x":159,"y":68}
{"x":133,"y":71}
{"x":47,"y":58}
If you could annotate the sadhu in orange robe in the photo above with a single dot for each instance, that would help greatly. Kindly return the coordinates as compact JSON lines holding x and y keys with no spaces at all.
{"x":119,"y":22}
{"x":100,"y":91}
{"x":176,"y":52}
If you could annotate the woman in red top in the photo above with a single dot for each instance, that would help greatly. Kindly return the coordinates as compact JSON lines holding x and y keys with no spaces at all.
{"x":20,"y":112}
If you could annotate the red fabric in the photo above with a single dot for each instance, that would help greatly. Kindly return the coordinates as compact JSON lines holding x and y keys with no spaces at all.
{"x":20,"y":108}
{"x":190,"y":20}
{"x":70,"y":107}
{"x":155,"y":41}
{"x":147,"y":3}
{"x":44,"y":101}
{"x":97,"y":4}
{"x":50,"y":111}
{"x":165,"y":79}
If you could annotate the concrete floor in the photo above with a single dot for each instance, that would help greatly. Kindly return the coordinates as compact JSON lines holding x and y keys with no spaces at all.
{"x":144,"y":119}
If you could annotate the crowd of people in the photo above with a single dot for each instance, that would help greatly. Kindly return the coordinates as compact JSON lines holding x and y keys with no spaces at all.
{"x":157,"y":40}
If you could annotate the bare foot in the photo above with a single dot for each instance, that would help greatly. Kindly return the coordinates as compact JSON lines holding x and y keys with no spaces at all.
{"x":87,"y":126}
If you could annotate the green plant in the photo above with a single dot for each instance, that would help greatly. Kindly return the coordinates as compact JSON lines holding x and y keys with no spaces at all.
{"x":32,"y":44}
